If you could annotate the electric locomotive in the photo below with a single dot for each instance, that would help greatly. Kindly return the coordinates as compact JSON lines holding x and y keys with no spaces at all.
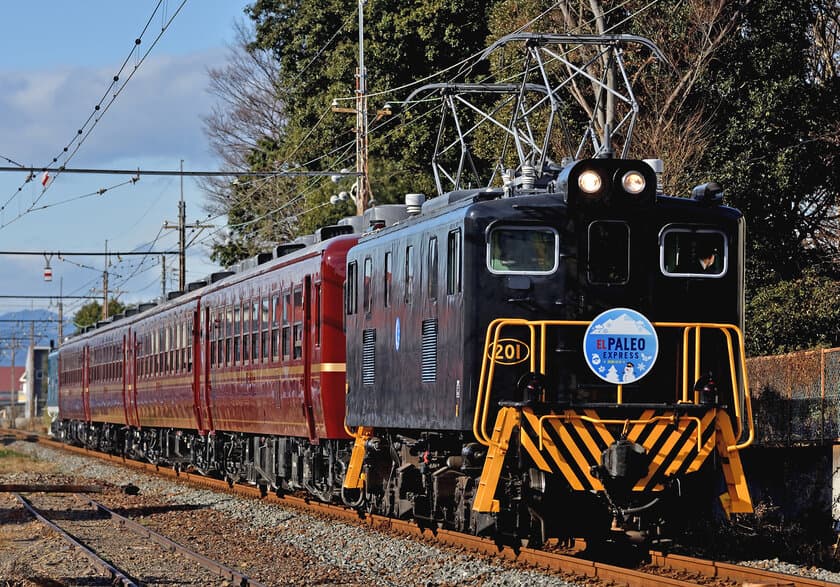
{"x":475,"y":401}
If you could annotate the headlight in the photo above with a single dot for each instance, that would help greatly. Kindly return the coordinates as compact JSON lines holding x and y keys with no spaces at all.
{"x":633,"y":182}
{"x":589,"y":181}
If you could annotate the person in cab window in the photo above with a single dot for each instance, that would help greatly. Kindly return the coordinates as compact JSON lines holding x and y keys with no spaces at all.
{"x":707,"y":256}
{"x":702,"y":262}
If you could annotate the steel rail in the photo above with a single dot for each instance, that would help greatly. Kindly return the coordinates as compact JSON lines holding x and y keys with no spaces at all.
{"x":160,"y":539}
{"x":552,"y":561}
{"x":115,"y":574}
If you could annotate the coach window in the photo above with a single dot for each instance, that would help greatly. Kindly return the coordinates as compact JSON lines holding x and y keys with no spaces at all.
{"x":298,"y":326}
{"x":367,"y":285}
{"x":178,"y":335}
{"x":350,"y":291}
{"x":276,"y":309}
{"x":174,"y":344}
{"x":237,"y":333}
{"x":453,"y":262}
{"x":693,"y":252}
{"x":214,"y":337}
{"x":255,"y":330}
{"x":387,"y":284}
{"x":175,"y":352}
{"x":608,"y":252}
{"x":158,"y":365}
{"x":157,"y":358}
{"x":188,"y":339}
{"x":531,"y":250}
{"x":297,"y":329}
{"x":220,"y":336}
{"x":265,"y":324}
{"x":246,"y":332}
{"x":173,"y":348}
{"x":432,"y":262}
{"x":184,"y":346}
{"x":408,"y":280}
{"x":286,"y":346}
{"x":256,"y":310}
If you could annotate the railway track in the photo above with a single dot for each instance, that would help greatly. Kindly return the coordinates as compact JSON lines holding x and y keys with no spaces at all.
{"x":662,"y":570}
{"x":126,"y":552}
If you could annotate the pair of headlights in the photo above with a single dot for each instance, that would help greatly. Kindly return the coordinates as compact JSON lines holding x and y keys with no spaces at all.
{"x":591,"y":182}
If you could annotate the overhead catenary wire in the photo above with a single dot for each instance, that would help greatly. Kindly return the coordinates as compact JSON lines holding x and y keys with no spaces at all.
{"x":95,"y":115}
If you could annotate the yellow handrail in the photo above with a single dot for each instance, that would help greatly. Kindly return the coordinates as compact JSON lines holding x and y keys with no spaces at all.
{"x":488,"y":365}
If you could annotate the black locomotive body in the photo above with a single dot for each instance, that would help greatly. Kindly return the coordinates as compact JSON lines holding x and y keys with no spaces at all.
{"x":473,"y":402}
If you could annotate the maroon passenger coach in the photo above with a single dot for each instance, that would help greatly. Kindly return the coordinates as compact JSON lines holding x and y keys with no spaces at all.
{"x":259,"y":352}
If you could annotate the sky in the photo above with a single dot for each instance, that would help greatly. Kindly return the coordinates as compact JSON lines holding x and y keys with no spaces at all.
{"x":57,"y":62}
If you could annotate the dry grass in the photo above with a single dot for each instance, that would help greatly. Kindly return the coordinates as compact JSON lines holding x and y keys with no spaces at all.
{"x":15,"y":462}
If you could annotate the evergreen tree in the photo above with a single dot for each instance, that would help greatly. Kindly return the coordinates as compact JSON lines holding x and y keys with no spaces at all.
{"x":91,"y":313}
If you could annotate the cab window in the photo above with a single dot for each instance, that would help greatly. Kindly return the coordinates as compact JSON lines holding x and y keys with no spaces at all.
{"x":693,"y":252}
{"x":608,"y":252}
{"x":523,"y":249}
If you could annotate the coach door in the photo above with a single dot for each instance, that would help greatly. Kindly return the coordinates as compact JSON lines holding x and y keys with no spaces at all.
{"x":86,"y":383}
{"x":303,"y":341}
{"x":130,"y":379}
{"x":201,"y":369}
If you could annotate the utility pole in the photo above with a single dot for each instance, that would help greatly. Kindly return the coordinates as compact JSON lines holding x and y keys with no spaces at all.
{"x":163,"y":277}
{"x":362,"y":180}
{"x":105,"y":286}
{"x":30,"y":373}
{"x":60,"y":311}
{"x":182,"y":228}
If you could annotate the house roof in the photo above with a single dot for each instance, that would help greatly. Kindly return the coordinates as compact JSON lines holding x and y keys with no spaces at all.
{"x":6,"y":377}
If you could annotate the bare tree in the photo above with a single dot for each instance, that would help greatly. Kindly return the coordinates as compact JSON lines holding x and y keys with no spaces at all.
{"x":243,"y":129}
{"x":672,"y":126}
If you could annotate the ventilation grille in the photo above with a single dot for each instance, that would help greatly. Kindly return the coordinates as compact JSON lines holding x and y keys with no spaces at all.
{"x":428,"y":368}
{"x":368,"y":357}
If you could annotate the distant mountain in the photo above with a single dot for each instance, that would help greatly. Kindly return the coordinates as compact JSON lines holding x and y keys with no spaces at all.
{"x":18,"y":329}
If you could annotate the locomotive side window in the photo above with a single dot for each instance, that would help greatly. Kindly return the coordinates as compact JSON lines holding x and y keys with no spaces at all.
{"x":523,"y":250}
{"x":433,"y":268}
{"x":350,"y":292}
{"x":408,"y":282}
{"x":367,"y":285}
{"x":453,"y":262}
{"x":693,"y":252}
{"x":387,"y":284}
{"x":608,"y":252}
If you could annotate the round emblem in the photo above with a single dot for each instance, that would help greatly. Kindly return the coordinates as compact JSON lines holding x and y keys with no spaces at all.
{"x":620,"y":346}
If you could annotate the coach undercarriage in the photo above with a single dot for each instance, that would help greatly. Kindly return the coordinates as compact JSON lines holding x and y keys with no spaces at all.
{"x":276,"y":464}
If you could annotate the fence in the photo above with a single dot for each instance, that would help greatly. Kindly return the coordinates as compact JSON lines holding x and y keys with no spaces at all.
{"x":796,"y":398}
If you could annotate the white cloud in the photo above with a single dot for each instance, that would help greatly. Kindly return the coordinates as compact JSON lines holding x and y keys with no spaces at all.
{"x":157,"y":114}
